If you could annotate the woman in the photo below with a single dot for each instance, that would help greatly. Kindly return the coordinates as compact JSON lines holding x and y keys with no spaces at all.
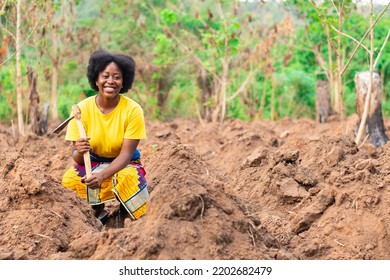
{"x":114,"y":125}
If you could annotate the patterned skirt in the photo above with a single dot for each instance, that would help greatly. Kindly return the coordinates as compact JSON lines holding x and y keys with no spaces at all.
{"x":128,"y":186}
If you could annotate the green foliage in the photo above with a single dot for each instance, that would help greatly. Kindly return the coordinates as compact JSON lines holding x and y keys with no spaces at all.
{"x":168,"y":17}
{"x":5,"y":109}
{"x":349,"y":101}
{"x":303,"y":55}
{"x":386,"y":108}
{"x":215,"y":39}
{"x":295,"y":87}
{"x":163,"y":50}
{"x":7,"y":87}
{"x":182,"y":100}
{"x":67,"y":97}
{"x":71,"y":65}
{"x":89,"y":92}
{"x":170,"y":39}
{"x":383,"y":66}
{"x":148,"y":103}
{"x":237,"y":110}
{"x":7,"y":75}
{"x":153,"y":108}
{"x":192,"y":24}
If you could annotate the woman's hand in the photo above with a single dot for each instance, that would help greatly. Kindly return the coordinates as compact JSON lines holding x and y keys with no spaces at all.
{"x":94,"y":181}
{"x":82,"y":145}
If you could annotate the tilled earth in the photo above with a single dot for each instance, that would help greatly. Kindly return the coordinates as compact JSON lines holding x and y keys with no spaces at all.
{"x":290,"y":189}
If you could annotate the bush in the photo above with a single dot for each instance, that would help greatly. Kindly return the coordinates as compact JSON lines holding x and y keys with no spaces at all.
{"x":68,"y":96}
{"x":296,"y":93}
{"x":5,"y":109}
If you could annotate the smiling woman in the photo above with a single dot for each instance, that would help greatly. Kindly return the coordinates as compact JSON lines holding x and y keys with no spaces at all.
{"x":109,"y":84}
{"x":114,"y":126}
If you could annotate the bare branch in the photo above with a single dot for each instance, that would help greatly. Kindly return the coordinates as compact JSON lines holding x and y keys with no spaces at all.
{"x":362,"y":125}
{"x":8,"y":32}
{"x":350,"y":37}
{"x":364,"y":140}
{"x":337,"y":11}
{"x":364,"y":36}
{"x":250,"y":75}
{"x":383,"y":46}
{"x":24,"y":43}
{"x":189,"y":50}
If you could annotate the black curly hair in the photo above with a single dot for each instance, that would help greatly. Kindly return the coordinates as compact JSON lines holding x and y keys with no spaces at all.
{"x":99,"y":60}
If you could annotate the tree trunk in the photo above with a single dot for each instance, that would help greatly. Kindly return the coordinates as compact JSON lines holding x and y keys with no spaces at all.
{"x":162,"y":92}
{"x":331,"y":78}
{"x":19,"y":99}
{"x":323,"y":103}
{"x":262,"y":100}
{"x":55,"y":58}
{"x":340,"y":66}
{"x":219,"y":112}
{"x":38,"y":121}
{"x":43,"y":120}
{"x":54,"y":91}
{"x":374,"y":124}
{"x":205,"y":95}
{"x":225,"y":73}
{"x":34,"y":100}
{"x":336,"y":106}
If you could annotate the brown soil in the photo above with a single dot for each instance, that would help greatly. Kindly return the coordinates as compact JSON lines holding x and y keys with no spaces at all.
{"x":291,"y":189}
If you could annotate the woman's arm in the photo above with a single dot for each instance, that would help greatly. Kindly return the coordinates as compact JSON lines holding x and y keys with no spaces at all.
{"x":120,"y":162}
{"x":80,"y":147}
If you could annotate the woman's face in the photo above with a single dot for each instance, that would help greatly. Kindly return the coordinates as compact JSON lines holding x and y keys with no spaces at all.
{"x":110,"y":81}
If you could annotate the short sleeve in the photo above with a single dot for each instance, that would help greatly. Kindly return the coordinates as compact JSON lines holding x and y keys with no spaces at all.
{"x":135,"y":128}
{"x":72,"y":132}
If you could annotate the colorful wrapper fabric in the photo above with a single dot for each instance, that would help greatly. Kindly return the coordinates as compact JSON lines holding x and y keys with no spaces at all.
{"x":128,"y":186}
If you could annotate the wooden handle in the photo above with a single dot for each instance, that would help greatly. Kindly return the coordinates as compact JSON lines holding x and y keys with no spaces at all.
{"x":87,"y":160}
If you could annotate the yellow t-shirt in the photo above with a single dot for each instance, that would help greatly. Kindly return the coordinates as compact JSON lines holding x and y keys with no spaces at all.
{"x":107,"y":131}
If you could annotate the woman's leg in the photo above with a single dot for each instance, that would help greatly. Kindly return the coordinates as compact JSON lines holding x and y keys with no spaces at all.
{"x":131,"y":190}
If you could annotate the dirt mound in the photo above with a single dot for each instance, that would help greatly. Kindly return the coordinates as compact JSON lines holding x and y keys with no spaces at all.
{"x":328,"y":201}
{"x":39,"y":217}
{"x":291,"y":189}
{"x":190,"y":217}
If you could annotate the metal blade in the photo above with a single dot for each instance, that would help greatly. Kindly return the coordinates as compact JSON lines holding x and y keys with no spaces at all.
{"x":59,"y":128}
